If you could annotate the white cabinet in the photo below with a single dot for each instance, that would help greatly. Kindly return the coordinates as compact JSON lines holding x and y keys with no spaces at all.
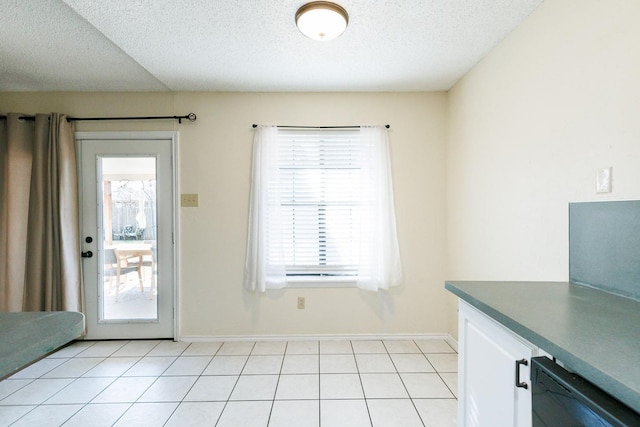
{"x":487,"y":391}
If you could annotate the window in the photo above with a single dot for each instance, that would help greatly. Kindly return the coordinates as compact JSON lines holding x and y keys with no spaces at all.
{"x":319,"y":183}
{"x":321,"y":209}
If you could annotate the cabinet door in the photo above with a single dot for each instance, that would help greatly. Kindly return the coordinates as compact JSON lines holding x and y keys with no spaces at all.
{"x":488,"y":395}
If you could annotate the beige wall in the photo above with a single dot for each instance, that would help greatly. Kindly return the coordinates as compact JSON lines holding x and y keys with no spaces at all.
{"x":215,"y":158}
{"x":529,"y":127}
{"x":215,"y":161}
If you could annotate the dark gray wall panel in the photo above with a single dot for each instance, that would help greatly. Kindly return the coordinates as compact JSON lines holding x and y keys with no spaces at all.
{"x":604,"y":246}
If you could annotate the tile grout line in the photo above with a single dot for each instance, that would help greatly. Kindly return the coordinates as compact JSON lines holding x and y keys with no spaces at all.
{"x":236,"y":383}
{"x":115,"y":379}
{"x":146,"y":389}
{"x":157,"y":377}
{"x":447,"y":384}
{"x":190,"y":388}
{"x":36,"y":406}
{"x":403,"y":383}
{"x":364,"y":396}
{"x":319,"y":388}
{"x":440,"y":376}
{"x":275,"y":392}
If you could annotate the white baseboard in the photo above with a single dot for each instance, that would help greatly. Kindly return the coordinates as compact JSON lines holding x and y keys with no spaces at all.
{"x":325,"y":337}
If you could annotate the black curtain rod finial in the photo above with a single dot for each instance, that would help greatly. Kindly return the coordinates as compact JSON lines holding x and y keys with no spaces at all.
{"x":191,"y":117}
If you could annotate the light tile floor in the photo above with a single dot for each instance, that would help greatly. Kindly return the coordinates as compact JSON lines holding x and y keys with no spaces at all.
{"x":238,"y":384}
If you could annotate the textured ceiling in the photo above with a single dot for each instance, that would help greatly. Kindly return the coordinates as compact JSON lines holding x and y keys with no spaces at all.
{"x":245,"y":45}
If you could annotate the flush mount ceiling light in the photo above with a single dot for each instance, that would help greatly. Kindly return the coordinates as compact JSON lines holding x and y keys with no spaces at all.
{"x":322,"y":20}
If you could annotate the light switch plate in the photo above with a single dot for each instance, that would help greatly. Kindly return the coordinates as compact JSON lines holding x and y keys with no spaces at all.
{"x":189,"y":200}
{"x":603,"y":180}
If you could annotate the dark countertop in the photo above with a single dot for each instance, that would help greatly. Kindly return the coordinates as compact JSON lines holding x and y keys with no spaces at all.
{"x":595,"y":334}
{"x":25,"y":337}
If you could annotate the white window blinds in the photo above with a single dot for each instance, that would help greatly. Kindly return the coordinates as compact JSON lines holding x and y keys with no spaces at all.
{"x":320,"y":178}
{"x":321,"y":208}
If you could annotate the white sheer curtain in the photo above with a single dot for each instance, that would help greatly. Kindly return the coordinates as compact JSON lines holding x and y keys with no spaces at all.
{"x":264,"y":267}
{"x":379,"y":265}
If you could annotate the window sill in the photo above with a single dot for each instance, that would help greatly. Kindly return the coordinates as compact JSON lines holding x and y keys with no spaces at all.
{"x":325,"y":282}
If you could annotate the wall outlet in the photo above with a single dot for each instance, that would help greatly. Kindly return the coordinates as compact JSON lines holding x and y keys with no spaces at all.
{"x":189,"y":200}
{"x":300,"y":303}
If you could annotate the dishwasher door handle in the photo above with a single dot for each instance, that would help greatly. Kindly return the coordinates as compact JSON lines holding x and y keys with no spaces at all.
{"x":518,"y":382}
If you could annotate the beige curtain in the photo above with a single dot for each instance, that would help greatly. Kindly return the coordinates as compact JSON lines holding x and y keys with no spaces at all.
{"x":39,"y":215}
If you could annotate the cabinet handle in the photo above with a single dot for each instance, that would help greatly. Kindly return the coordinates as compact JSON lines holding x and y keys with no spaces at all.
{"x":518,"y":382}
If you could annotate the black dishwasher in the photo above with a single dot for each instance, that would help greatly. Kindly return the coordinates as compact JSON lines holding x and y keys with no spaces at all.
{"x":563,"y":399}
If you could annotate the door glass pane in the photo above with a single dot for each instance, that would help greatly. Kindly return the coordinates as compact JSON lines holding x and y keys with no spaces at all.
{"x":128,"y":259}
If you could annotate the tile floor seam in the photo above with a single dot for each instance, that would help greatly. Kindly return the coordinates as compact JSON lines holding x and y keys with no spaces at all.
{"x":171,"y":414}
{"x":149,"y":351}
{"x":17,"y":390}
{"x":409,"y":394}
{"x":275,"y":392}
{"x":364,"y":395}
{"x":446,"y":384}
{"x":167,"y":368}
{"x":319,"y":389}
{"x":73,"y":415}
{"x":121,"y":415}
{"x":429,"y":362}
{"x":142,"y":394}
{"x":226,"y":403}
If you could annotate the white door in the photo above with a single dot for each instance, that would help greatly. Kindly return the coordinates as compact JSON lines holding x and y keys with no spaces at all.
{"x":128,"y":200}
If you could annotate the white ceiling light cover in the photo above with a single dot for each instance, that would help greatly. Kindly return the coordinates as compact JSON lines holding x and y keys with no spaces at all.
{"x":322,"y":20}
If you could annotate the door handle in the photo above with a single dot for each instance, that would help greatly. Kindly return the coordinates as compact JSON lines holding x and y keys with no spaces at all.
{"x":87,"y":254}
{"x":518,"y":364}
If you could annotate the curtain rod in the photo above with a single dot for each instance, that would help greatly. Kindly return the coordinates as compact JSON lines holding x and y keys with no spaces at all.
{"x":320,"y":127}
{"x":191,"y":117}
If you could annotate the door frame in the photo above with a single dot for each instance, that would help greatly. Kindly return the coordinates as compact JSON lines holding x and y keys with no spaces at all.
{"x":175,"y":143}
